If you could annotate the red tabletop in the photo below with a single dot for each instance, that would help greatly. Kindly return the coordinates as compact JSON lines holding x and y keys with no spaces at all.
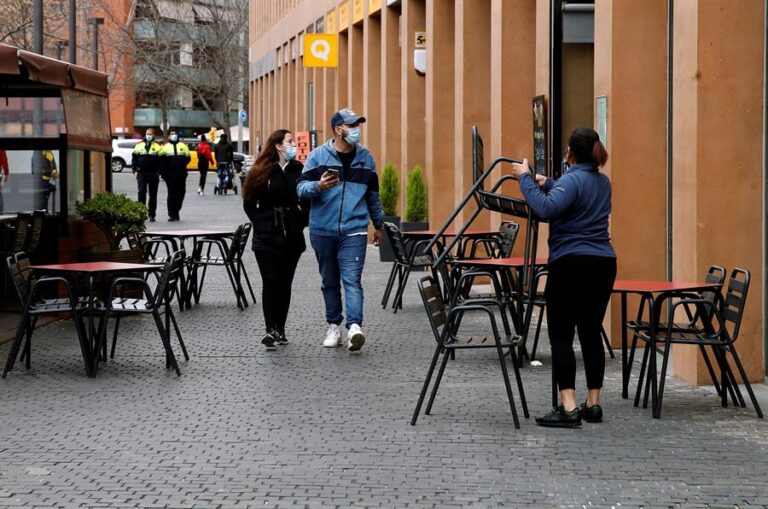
{"x":645,"y":286}
{"x":98,"y":267}
{"x":516,"y":261}
{"x":451,"y":233}
{"x":190,"y":233}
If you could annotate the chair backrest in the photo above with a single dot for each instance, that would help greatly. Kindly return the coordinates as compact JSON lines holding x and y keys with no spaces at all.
{"x":134,"y":240}
{"x":732,"y":306}
{"x":434,"y":305}
{"x":507,"y":237}
{"x":23,"y":221}
{"x":444,"y":271}
{"x":168,"y":281}
{"x":35,"y":231}
{"x":396,"y":241}
{"x":716,"y":275}
{"x":20,"y":281}
{"x":240,"y":241}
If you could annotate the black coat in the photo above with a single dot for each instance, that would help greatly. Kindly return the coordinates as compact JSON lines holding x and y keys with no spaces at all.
{"x":277,"y":214}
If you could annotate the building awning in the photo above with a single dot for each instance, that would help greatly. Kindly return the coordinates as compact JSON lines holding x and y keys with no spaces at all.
{"x":45,"y":70}
{"x":89,"y":80}
{"x":9,"y":59}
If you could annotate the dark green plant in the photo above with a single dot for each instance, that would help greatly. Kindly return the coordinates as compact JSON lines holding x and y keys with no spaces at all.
{"x":416,"y":196}
{"x":114,"y":214}
{"x":390,"y":190}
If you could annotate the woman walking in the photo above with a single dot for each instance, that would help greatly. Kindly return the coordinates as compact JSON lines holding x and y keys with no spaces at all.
{"x":204,"y":160}
{"x":279,"y":219}
{"x":582,"y":269}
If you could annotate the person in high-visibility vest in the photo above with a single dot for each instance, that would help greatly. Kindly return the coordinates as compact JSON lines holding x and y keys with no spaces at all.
{"x":146,"y":166}
{"x":175,"y":157}
{"x":50,"y":175}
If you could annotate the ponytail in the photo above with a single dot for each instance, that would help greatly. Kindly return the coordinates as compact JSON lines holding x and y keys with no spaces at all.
{"x":586,"y":147}
{"x":599,"y":154}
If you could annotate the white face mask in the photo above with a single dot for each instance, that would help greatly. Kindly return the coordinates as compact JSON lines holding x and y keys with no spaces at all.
{"x":290,"y":152}
{"x":353,"y":135}
{"x":174,"y":138}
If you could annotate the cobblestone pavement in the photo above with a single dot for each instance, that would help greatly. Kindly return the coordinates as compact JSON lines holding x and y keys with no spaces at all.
{"x":312,"y":427}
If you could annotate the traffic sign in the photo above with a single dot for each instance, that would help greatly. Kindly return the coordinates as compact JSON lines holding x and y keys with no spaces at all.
{"x":242,"y":115}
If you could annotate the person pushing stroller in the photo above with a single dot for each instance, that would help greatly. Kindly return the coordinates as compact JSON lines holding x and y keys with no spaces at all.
{"x":225,"y":158}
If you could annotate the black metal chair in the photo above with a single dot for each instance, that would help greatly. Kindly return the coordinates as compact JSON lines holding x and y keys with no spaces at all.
{"x":407,"y":258}
{"x":30,"y":294}
{"x":496,"y":246}
{"x":444,"y":326}
{"x":229,"y":256}
{"x":34,"y":232}
{"x":715,"y":325}
{"x":157,"y":303}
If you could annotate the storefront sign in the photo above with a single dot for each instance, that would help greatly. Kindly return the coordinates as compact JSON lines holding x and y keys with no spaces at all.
{"x":601,"y":110}
{"x":421,"y":40}
{"x":303,"y":146}
{"x":540,"y":142}
{"x":321,"y":50}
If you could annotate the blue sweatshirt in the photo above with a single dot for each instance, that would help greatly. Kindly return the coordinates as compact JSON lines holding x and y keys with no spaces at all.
{"x":577,"y":207}
{"x":346,"y":208}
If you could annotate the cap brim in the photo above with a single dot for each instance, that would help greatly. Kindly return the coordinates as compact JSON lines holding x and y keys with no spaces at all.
{"x":355,"y":120}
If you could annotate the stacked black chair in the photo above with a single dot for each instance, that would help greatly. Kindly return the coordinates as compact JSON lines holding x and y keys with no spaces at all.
{"x":228,"y":256}
{"x":407,"y":258}
{"x":30,"y":294}
{"x":445,"y":324}
{"x":34,"y":232}
{"x":715,"y":325}
{"x":157,"y":303}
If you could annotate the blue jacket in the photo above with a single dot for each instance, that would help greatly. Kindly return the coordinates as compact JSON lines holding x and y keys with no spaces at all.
{"x":577,"y":206}
{"x":347,"y":208}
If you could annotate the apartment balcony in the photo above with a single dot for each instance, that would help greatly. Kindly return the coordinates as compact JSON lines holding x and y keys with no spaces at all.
{"x":151,"y":117}
{"x":144,"y":74}
{"x":145,"y":29}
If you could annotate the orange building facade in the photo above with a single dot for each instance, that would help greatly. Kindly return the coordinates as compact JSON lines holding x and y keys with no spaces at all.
{"x":675,"y":87}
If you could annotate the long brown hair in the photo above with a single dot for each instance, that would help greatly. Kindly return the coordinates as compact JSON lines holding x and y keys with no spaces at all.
{"x":262,"y":166}
{"x":586,"y":147}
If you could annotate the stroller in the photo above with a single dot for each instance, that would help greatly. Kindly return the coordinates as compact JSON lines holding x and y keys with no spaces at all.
{"x":224,"y":179}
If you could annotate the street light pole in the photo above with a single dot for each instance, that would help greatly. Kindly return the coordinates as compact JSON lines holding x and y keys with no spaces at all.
{"x":37,"y":20}
{"x":95,"y":22}
{"x":72,"y":31}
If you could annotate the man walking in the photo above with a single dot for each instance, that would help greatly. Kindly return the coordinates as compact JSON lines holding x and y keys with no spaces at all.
{"x":340,"y":179}
{"x":146,"y":165}
{"x":175,"y":159}
{"x":225,"y":159}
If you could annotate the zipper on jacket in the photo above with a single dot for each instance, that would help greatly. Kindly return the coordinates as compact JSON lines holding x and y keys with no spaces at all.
{"x":343,"y":189}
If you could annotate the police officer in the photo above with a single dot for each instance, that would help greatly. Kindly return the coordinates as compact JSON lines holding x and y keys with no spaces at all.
{"x":146,"y":166}
{"x":49,"y":175}
{"x":175,"y":160}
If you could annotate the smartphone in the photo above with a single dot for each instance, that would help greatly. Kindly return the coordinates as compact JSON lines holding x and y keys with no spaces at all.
{"x":333,"y":172}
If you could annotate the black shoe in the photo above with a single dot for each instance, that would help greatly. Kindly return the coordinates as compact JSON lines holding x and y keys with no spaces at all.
{"x":268,"y":341}
{"x":280,"y":338}
{"x":172,"y":219}
{"x":152,"y":219}
{"x":591,"y":413}
{"x":559,"y":418}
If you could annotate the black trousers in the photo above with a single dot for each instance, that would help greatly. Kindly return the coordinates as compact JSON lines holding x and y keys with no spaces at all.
{"x":148,"y":181}
{"x":202,"y":167}
{"x":177,"y":188}
{"x":277,"y":269}
{"x":578,"y":290}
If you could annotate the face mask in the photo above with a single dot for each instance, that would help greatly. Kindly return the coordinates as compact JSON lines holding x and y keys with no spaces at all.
{"x":150,"y":137}
{"x":290,"y":153}
{"x":174,"y":138}
{"x":353,"y":135}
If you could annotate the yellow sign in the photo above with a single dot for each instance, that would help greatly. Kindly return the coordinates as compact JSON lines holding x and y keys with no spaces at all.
{"x":343,"y":16}
{"x":374,"y":6}
{"x":357,"y":11}
{"x":421,"y":40}
{"x":321,"y":50}
{"x":330,"y":22}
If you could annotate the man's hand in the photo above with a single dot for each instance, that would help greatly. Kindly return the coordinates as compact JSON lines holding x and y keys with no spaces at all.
{"x":541,"y":180}
{"x":519,"y":169}
{"x":327,"y":181}
{"x":377,"y":237}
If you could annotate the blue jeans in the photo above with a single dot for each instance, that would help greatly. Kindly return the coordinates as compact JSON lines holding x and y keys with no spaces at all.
{"x":223,"y":176}
{"x":341,"y":260}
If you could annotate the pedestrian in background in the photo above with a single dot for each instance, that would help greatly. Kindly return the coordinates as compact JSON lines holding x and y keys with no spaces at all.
{"x":279,"y":219}
{"x":225,"y":159}
{"x":145,"y":162}
{"x":582,"y":269}
{"x":204,"y":160}
{"x":340,"y":179}
{"x":4,"y":175}
{"x":175,"y":160}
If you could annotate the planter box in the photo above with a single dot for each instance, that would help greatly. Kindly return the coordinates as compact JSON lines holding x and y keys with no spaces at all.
{"x":385,"y":248}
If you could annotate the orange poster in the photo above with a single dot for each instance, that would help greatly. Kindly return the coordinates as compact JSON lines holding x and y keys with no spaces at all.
{"x":302,"y":145}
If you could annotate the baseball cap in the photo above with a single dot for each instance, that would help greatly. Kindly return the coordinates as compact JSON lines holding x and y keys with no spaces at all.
{"x":346,"y":116}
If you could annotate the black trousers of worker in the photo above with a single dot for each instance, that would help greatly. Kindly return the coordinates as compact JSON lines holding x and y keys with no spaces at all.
{"x":177,"y":188}
{"x":202,"y":167}
{"x":148,"y":181}
{"x":277,"y":270}
{"x":578,"y":290}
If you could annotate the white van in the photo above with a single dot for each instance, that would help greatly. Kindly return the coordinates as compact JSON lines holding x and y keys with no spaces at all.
{"x":122,"y":151}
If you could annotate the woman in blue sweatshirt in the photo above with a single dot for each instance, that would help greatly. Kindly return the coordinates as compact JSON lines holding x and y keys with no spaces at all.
{"x":582,"y":269}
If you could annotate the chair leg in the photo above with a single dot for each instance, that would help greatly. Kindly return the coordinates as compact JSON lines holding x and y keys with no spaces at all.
{"x":26,"y":355}
{"x":169,"y":312}
{"x":710,"y":370}
{"x":247,"y":280}
{"x":730,"y":384}
{"x":390,"y":284}
{"x":536,"y":336}
{"x":662,"y":380}
{"x":607,"y":342}
{"x":519,"y":381}
{"x":640,"y":379}
{"x":164,"y":336}
{"x":401,"y":289}
{"x":507,"y":386}
{"x":745,"y":380}
{"x":426,"y":385}
{"x":114,"y":337}
{"x":437,"y":382}
{"x":235,"y":286}
{"x":14,"y":352}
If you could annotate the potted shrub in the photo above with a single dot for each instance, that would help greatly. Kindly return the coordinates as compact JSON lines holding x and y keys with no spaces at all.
{"x":415,"y":202}
{"x":116,"y":216}
{"x":389,"y":190}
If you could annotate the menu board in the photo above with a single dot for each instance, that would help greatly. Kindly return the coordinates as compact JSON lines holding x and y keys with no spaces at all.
{"x":540,"y":142}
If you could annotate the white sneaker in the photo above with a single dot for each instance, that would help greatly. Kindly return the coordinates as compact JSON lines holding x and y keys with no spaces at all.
{"x":332,"y":337}
{"x":355,"y":338}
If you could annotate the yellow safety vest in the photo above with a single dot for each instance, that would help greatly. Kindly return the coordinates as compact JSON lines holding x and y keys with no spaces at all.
{"x":175,"y":149}
{"x":154,"y":149}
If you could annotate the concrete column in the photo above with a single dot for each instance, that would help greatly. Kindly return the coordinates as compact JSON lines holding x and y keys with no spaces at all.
{"x":513,"y":85}
{"x":413,"y":90}
{"x":329,"y":104}
{"x":291,"y":104}
{"x":356,"y":68}
{"x":372,"y":86}
{"x":472,"y":104}
{"x":301,"y":96}
{"x":390,"y":88}
{"x":439,"y":136}
{"x":342,"y":75}
{"x":717,"y":140}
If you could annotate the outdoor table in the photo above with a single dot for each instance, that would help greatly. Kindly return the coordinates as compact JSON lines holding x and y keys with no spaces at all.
{"x":647,"y":289}
{"x":92,"y":269}
{"x":416,"y":235}
{"x":177,"y":238}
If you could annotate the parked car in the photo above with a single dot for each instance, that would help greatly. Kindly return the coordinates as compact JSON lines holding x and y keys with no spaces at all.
{"x":192,"y":144}
{"x":122,"y":151}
